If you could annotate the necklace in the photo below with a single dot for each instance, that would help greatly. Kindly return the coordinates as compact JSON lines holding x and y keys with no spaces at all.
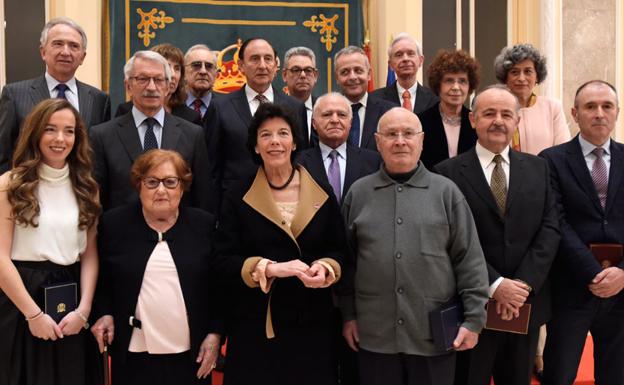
{"x":290,"y":178}
{"x":450,"y":119}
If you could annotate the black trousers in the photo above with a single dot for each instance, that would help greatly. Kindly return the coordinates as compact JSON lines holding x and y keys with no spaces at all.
{"x":157,"y":369}
{"x":567,"y":332}
{"x":405,"y":369}
{"x":507,"y":357}
{"x":346,"y":358}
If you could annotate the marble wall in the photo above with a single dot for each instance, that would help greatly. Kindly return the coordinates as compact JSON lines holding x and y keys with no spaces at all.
{"x":589,"y":46}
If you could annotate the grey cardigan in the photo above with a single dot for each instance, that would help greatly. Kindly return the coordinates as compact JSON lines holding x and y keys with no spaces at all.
{"x":415,"y":246}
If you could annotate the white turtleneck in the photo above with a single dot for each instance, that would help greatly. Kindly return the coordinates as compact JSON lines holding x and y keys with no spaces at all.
{"x":57,"y":238}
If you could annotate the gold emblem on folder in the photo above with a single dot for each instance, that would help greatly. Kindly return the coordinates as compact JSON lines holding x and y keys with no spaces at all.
{"x":61,"y":308}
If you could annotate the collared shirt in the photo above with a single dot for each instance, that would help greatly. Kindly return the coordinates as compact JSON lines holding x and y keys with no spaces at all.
{"x":251,"y":98}
{"x":342,"y":161}
{"x":309,"y":108}
{"x":71,"y":94}
{"x":362,"y":113}
{"x":141,"y":126}
{"x":590,"y":158}
{"x":486,"y":159}
{"x":412,"y":91}
{"x":206,"y":99}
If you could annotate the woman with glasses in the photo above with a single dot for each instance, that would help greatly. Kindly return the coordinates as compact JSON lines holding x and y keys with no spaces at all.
{"x":453,"y":75}
{"x":175,"y":101}
{"x":155,"y":289}
{"x":48,"y":210}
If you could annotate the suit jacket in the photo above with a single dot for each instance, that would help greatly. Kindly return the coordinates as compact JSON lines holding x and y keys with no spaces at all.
{"x":425,"y":99}
{"x":435,"y":144}
{"x":582,"y":219}
{"x":125,"y":243}
{"x":181,"y":111}
{"x":360,"y":162}
{"x":522,"y":244}
{"x":19,"y":98}
{"x":375,"y":107}
{"x":116,"y":145}
{"x":229,"y":157}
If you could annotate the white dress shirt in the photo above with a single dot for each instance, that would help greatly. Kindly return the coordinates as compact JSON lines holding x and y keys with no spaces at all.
{"x":362,"y":114}
{"x":253,"y":102}
{"x":590,"y":158}
{"x":139,"y":119}
{"x":309,"y":108}
{"x":71,"y":94}
{"x":342,"y":161}
{"x":412,"y":91}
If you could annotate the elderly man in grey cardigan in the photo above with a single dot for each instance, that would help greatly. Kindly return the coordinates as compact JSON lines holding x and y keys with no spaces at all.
{"x":415,"y":247}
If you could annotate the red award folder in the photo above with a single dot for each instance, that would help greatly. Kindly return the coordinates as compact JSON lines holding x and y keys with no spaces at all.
{"x":607,"y":254}
{"x":518,"y":325}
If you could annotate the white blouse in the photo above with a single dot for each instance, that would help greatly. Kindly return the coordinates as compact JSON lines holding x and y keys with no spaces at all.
{"x":57,"y":238}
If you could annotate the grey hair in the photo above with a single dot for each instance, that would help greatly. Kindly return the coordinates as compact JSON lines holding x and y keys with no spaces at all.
{"x":332,"y":94}
{"x":405,"y":36}
{"x":62,"y":21}
{"x":594,"y":82}
{"x":147,"y":55}
{"x":510,"y":56}
{"x":300,"y":51}
{"x":196,"y":47}
{"x":501,"y":87}
{"x":351,"y":50}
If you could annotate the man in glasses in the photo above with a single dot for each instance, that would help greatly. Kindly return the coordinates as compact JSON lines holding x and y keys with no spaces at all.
{"x":117,"y":143}
{"x":300,"y":75}
{"x":415,"y":246}
{"x":201,"y":70}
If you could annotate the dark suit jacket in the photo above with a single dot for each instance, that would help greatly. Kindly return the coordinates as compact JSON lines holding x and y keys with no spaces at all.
{"x":435,"y":144}
{"x":375,"y":107}
{"x":116,"y":145}
{"x":229,"y":158}
{"x":425,"y":99}
{"x":181,"y":111}
{"x":125,"y":243}
{"x":582,"y":219}
{"x":522,"y":245}
{"x":360,"y":162}
{"x":19,"y":98}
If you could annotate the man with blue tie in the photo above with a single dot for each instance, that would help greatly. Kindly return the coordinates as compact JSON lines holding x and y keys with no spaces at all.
{"x":353,"y":72}
{"x":63,"y":49}
{"x":587,"y":177}
{"x":117,"y":143}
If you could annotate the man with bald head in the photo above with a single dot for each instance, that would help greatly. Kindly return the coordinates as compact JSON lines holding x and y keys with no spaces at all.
{"x":405,"y":58}
{"x":587,"y":174}
{"x":415,"y":247}
{"x":514,"y":209}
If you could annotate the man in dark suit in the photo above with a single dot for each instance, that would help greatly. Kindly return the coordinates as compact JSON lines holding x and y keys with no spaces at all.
{"x":117,"y":143}
{"x":333,"y":162}
{"x":230,"y":159}
{"x":514,"y":209}
{"x":405,"y":58}
{"x":200,"y":63}
{"x":63,"y":49}
{"x":587,"y":178}
{"x":300,"y":75}
{"x":353,"y":71}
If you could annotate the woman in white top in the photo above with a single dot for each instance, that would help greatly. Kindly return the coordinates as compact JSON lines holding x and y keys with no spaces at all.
{"x":48,"y":210}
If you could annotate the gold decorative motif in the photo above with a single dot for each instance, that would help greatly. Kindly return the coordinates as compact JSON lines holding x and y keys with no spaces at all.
{"x":229,"y":77}
{"x":150,"y":21}
{"x":60,"y":308}
{"x":324,"y":26}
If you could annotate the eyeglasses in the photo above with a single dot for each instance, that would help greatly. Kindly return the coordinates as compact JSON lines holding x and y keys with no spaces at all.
{"x":170,"y":182}
{"x":297,"y":70}
{"x":198,"y":65}
{"x":143,"y":81}
{"x":395,"y":135}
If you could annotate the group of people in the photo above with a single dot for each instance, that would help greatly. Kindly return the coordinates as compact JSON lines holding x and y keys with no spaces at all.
{"x":317,"y":235}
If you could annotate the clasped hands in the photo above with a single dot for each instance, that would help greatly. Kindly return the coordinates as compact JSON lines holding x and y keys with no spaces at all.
{"x":510,"y":295}
{"x":312,"y":276}
{"x":45,"y":328}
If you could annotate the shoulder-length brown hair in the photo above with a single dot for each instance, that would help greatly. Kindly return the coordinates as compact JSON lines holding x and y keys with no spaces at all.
{"x":173,"y":53}
{"x":27,"y":157}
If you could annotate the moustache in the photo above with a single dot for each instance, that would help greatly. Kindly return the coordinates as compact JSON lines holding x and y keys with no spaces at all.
{"x":148,"y":94}
{"x":500,"y":129}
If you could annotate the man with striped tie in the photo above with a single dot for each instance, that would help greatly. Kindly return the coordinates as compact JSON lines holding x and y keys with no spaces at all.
{"x":63,"y":49}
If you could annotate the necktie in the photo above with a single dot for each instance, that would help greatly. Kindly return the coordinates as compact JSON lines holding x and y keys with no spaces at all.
{"x":354,"y":134}
{"x":498,"y":184}
{"x":333,"y":174}
{"x":262,"y":99}
{"x":61,"y":88}
{"x":149,"y":143}
{"x":600,"y":176}
{"x":407,"y":103}
{"x":197,"y":103}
